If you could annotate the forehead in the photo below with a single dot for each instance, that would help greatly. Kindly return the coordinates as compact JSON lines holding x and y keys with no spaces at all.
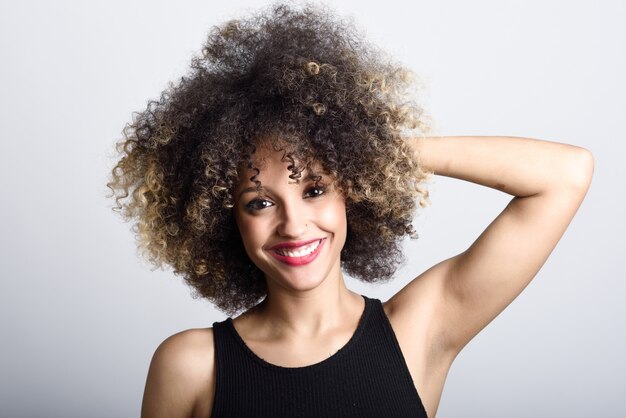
{"x":270,"y":156}
{"x":273,"y":159}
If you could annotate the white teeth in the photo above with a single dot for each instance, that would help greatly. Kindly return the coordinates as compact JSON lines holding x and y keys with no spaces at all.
{"x":301,"y":252}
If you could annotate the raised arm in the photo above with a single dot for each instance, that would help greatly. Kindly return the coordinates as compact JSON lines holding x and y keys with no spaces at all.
{"x":548,"y":180}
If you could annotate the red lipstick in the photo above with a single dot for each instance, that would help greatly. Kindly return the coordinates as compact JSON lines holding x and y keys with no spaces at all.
{"x":293,"y":244}
{"x":297,"y":261}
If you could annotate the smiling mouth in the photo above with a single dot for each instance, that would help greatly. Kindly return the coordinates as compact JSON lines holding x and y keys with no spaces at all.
{"x":300,"y":251}
{"x":299,"y":256}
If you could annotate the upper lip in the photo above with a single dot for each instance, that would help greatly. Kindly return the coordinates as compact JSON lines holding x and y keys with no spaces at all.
{"x":294,"y":244}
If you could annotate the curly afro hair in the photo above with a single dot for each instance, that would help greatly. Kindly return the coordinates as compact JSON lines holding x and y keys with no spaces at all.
{"x":300,"y":75}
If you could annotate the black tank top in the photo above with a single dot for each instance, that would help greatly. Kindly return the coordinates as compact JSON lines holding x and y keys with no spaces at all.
{"x":367,"y":377}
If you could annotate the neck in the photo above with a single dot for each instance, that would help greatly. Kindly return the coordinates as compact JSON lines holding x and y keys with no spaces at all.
{"x":307,"y":313}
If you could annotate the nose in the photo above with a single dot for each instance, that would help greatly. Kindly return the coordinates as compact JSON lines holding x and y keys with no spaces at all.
{"x":293,"y":221}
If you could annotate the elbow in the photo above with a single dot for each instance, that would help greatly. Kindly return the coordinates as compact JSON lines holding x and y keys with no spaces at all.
{"x":582,"y":167}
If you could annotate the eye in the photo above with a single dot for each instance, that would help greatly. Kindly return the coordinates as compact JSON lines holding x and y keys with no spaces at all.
{"x":258,"y":204}
{"x":315,"y":191}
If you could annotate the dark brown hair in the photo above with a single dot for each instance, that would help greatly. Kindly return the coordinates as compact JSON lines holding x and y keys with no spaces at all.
{"x":300,"y":75}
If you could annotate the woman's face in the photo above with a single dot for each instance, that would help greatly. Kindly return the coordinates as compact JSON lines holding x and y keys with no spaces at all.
{"x":293,"y":232}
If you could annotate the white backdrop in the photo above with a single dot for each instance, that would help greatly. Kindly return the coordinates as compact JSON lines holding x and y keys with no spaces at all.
{"x":80,"y":314}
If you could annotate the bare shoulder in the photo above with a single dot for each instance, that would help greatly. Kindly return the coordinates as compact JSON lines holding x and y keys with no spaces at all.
{"x":415,"y":310}
{"x":181,"y":378}
{"x":415,"y":314}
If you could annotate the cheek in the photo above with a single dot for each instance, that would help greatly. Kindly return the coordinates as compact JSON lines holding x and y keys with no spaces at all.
{"x":248,"y":232}
{"x":334,"y":218}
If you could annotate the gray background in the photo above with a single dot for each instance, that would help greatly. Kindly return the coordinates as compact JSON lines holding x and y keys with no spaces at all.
{"x":81,"y":314}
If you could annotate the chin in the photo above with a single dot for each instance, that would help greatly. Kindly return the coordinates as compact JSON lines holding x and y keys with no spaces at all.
{"x":299,"y":279}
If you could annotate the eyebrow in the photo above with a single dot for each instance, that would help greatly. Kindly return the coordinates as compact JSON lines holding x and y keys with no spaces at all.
{"x":308,"y":177}
{"x":252,"y":189}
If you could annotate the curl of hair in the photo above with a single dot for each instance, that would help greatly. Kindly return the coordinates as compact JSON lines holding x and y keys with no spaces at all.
{"x":300,"y":75}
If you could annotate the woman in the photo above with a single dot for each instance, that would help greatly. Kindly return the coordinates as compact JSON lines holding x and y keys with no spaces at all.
{"x":289,"y":155}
